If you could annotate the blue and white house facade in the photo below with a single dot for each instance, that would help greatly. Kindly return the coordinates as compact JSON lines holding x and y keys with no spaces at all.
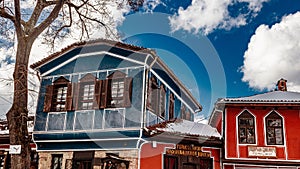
{"x":96,"y":98}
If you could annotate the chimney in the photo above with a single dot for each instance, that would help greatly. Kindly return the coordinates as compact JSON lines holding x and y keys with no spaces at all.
{"x":281,"y":85}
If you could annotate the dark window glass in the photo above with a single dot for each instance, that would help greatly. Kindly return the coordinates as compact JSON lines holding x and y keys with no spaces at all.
{"x":84,"y":120}
{"x":170,"y":162}
{"x":132,"y":118}
{"x":98,"y":120}
{"x":246,"y":128}
{"x":274,"y":129}
{"x":70,"y":120}
{"x":56,"y":162}
{"x":114,"y":118}
{"x":56,"y":121}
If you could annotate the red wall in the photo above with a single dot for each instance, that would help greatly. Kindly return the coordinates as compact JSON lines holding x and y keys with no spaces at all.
{"x":291,"y":121}
{"x":152,"y":157}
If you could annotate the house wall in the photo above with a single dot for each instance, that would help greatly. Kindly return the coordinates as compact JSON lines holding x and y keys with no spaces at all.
{"x":290,"y":150}
{"x":45,"y":160}
{"x":133,"y":113}
{"x":152,"y":156}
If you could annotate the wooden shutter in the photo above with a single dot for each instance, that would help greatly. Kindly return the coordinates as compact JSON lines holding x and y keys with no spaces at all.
{"x":162,"y":101}
{"x":127,"y":92}
{"x":149,"y":95}
{"x":75,"y":91}
{"x":155,"y":101}
{"x":108,"y":94}
{"x":69,"y":102}
{"x":48,"y":98}
{"x":171,"y":106}
{"x":97,"y":94}
{"x":103,"y":99}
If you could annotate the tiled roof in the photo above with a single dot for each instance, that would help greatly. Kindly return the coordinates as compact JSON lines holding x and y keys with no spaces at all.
{"x":84,"y":43}
{"x":269,"y":97}
{"x":185,"y":127}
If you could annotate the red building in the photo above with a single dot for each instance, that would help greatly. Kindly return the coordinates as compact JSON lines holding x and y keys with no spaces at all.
{"x":181,"y":144}
{"x":260,"y":131}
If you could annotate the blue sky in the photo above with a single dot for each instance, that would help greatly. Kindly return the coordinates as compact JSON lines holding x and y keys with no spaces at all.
{"x":218,"y":48}
{"x":215,"y":59}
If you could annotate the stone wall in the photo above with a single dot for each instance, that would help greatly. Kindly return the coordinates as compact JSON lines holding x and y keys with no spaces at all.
{"x":45,"y":158}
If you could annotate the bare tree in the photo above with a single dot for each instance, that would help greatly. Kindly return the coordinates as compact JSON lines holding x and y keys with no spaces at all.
{"x":52,"y":18}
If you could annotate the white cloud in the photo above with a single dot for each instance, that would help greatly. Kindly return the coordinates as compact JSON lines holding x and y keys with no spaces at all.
{"x":273,"y":53}
{"x":207,"y":15}
{"x":41,"y":50}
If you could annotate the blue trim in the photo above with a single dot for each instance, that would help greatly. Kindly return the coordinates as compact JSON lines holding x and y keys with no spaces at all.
{"x":90,"y":49}
{"x":87,"y":135}
{"x":88,"y":145}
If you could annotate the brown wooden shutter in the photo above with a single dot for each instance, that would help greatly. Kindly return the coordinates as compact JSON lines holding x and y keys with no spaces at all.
{"x":162,"y":101}
{"x":108,"y":94}
{"x":171,"y":106}
{"x":97,"y":94}
{"x":149,"y":95}
{"x":75,"y":91}
{"x":48,"y":98}
{"x":127,"y":92}
{"x":155,"y":101}
{"x":69,"y":102}
{"x":103,"y":99}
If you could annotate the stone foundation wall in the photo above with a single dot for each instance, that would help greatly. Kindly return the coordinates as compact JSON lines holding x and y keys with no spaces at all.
{"x":45,"y":158}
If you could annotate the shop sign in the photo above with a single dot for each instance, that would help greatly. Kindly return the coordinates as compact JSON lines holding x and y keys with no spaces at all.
{"x":15,"y":149}
{"x":261,"y":151}
{"x":188,"y":150}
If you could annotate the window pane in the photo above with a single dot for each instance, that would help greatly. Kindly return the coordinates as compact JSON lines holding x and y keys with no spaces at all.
{"x":56,"y":121}
{"x":59,"y":98}
{"x":242,"y":132}
{"x":70,"y":120}
{"x":270,"y":135}
{"x":114,"y":119}
{"x":250,"y":122}
{"x":151,"y":118}
{"x":98,"y":120}
{"x":246,"y":128}
{"x":132,"y":118}
{"x":84,"y":120}
{"x":57,"y":161}
{"x":274,"y":129}
{"x":117,"y":93}
{"x":243,"y":122}
{"x":274,"y":122}
{"x":278,"y":133}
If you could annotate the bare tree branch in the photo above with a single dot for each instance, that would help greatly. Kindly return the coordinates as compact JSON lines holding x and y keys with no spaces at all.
{"x":6,"y":15}
{"x":64,"y":26}
{"x":53,"y":15}
{"x":17,"y":21}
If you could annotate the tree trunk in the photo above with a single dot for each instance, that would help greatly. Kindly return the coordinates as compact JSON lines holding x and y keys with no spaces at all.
{"x":18,"y":113}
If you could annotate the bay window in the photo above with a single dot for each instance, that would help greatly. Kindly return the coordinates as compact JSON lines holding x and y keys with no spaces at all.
{"x":246,"y":128}
{"x":274,"y":129}
{"x":57,"y":96}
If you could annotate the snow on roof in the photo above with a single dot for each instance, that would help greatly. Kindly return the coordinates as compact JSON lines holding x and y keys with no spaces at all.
{"x":273,"y":97}
{"x":185,"y":127}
